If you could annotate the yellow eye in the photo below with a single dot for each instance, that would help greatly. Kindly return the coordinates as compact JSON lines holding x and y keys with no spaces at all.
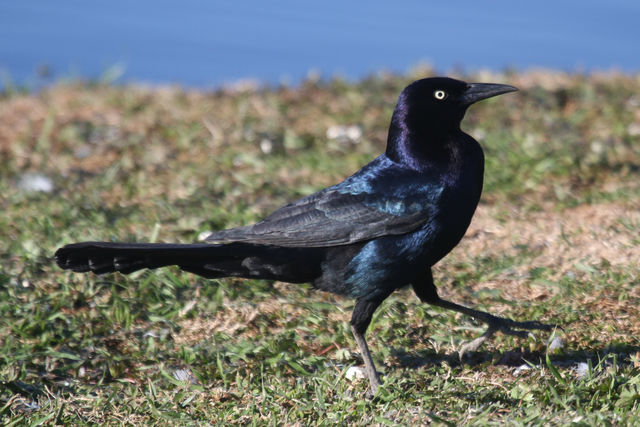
{"x":439,"y":95}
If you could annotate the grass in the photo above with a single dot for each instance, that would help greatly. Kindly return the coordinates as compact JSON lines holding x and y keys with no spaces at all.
{"x":555,"y":238}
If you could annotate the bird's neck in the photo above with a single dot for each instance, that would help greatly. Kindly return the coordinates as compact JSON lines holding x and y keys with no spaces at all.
{"x":421,"y":147}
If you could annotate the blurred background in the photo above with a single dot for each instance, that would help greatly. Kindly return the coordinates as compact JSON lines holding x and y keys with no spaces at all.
{"x":205,"y":44}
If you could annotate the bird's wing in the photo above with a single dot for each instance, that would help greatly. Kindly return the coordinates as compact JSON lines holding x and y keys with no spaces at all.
{"x":331,"y":217}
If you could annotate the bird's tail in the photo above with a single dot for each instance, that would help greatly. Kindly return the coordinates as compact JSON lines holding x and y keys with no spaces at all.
{"x":107,"y":257}
{"x":205,"y":259}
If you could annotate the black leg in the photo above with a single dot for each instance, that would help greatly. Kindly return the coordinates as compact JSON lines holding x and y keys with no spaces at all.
{"x":360,"y":320}
{"x":426,"y":291}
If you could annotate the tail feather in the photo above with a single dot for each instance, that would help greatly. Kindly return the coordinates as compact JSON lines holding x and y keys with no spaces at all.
{"x":238,"y":259}
{"x":107,"y":257}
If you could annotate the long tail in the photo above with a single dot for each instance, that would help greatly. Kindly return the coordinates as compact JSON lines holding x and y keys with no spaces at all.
{"x":107,"y":257}
{"x":205,"y":259}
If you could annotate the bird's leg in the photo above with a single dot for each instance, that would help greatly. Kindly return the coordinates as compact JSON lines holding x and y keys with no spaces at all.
{"x":360,"y":320}
{"x":426,"y":291}
{"x":370,"y":367}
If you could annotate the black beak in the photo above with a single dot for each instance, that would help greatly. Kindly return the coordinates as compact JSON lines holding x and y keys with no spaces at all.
{"x":478,"y":91}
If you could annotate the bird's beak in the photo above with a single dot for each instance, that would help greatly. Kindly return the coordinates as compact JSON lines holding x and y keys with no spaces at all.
{"x":477,"y":91}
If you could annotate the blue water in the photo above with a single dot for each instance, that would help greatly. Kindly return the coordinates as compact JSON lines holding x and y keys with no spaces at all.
{"x":208,"y":43}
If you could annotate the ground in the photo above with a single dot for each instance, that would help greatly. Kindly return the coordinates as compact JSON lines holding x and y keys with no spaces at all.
{"x":555,"y":238}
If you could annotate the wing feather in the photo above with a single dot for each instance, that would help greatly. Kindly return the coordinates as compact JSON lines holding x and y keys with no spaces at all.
{"x":328,"y":218}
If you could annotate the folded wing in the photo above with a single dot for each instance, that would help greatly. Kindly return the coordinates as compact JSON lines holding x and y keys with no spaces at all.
{"x":330,"y":218}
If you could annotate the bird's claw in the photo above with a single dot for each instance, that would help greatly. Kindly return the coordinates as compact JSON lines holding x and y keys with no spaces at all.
{"x":471,"y":346}
{"x":373,"y":389}
{"x":371,"y":393}
{"x":507,"y":327}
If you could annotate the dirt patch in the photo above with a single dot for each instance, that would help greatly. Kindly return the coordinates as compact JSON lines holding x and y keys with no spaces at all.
{"x":599,"y":234}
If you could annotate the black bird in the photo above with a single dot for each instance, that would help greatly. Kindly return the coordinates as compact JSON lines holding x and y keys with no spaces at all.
{"x":377,"y":231}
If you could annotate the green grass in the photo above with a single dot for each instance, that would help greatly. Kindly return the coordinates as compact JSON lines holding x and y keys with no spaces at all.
{"x":555,"y":239}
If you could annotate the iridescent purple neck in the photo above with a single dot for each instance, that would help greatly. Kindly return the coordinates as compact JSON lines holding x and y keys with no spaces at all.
{"x":418,"y":140}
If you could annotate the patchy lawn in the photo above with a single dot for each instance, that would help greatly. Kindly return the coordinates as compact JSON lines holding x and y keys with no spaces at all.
{"x":555,"y":238}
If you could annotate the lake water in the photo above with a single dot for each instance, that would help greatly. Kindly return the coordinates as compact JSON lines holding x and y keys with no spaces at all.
{"x":208,"y":43}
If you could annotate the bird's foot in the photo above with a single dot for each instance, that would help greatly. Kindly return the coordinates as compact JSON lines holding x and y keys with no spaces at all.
{"x":474,"y":345}
{"x":371,"y":392}
{"x":374,"y":383}
{"x":506,"y":326}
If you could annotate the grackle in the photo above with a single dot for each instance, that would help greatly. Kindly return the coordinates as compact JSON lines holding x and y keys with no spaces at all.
{"x":377,"y":231}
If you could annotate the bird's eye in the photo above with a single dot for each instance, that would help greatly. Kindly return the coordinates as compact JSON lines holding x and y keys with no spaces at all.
{"x":439,"y":95}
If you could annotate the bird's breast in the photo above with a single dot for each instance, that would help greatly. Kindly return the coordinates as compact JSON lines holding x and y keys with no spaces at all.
{"x":456,"y":207}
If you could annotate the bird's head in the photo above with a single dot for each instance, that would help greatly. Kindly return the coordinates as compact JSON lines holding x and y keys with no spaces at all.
{"x":431,"y":108}
{"x":441,"y":102}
